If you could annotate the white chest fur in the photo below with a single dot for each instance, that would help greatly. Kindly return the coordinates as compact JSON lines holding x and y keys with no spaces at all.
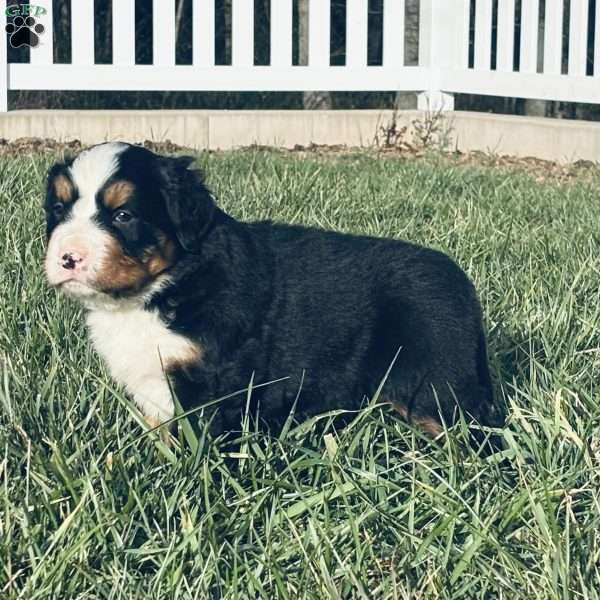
{"x":138,"y":346}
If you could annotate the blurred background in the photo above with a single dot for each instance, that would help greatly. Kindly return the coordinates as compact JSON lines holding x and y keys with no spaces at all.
{"x":283,"y":100}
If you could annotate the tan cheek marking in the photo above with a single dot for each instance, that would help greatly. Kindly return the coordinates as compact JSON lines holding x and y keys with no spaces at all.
{"x":117,"y":194}
{"x":120,"y":272}
{"x":64,"y":189}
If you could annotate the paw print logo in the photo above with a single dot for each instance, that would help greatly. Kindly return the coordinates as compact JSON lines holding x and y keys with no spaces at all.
{"x":24,"y":32}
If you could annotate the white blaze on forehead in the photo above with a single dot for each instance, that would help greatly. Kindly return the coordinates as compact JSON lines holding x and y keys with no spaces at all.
{"x":90,"y":171}
{"x":79,"y":233}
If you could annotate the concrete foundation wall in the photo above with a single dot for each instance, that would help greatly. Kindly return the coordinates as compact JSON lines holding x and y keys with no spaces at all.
{"x":551,"y":139}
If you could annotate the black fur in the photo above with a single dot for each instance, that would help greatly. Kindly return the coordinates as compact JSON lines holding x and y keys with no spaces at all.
{"x":326,"y":310}
{"x":189,"y":204}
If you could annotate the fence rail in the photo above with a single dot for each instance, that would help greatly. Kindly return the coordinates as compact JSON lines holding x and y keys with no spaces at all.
{"x":464,"y":46}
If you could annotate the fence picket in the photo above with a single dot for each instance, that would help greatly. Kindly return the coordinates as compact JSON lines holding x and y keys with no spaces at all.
{"x":281,"y":33}
{"x":123,"y":24}
{"x":444,"y":34}
{"x":443,"y":47}
{"x":242,"y":33}
{"x":553,"y":35}
{"x":578,"y":37}
{"x":82,"y":32}
{"x":393,"y":33}
{"x":530,"y":14}
{"x":357,"y":29}
{"x":506,"y":35}
{"x":44,"y":53}
{"x":483,"y":34}
{"x":163,"y":32}
{"x":203,"y":34}
{"x":426,"y":33}
{"x":461,"y":60}
{"x":319,"y":23}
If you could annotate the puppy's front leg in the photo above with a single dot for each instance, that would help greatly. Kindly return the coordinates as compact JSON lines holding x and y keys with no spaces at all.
{"x":164,"y":431}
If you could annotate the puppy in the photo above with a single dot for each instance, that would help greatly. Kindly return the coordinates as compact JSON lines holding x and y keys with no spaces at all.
{"x":183,"y":298}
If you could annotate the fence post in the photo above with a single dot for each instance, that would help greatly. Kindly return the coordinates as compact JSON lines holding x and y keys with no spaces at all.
{"x":443,"y":45}
{"x":3,"y":60}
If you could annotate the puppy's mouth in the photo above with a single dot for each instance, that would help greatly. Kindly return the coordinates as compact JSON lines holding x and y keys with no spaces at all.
{"x":72,"y":284}
{"x":77,"y":289}
{"x":92,"y":296}
{"x":89,"y":297}
{"x":67,"y":281}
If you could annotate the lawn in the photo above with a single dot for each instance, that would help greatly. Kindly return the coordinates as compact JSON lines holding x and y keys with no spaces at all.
{"x":92,"y":507}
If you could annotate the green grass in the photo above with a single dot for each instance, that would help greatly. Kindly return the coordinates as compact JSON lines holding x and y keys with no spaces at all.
{"x":90,"y":507}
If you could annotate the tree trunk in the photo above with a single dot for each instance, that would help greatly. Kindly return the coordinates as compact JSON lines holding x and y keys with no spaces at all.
{"x":227,"y":8}
{"x":178,"y":17}
{"x":320,"y":100}
{"x":537,"y":108}
{"x":408,"y":100}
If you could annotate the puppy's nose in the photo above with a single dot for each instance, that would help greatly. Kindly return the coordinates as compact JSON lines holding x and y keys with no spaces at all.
{"x":70,"y":260}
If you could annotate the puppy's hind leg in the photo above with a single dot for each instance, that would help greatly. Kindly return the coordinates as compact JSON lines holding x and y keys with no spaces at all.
{"x":409,"y":409}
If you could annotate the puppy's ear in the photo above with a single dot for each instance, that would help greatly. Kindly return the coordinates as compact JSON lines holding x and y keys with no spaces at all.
{"x":59,"y":185}
{"x":189,"y":204}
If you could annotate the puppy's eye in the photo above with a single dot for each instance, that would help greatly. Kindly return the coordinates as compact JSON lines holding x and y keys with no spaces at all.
{"x":122,"y":216}
{"x":57,"y":208}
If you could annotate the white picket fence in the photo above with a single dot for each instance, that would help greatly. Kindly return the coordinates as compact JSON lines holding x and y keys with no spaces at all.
{"x":443,"y":58}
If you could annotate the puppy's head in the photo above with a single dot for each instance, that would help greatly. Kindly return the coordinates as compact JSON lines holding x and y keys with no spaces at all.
{"x":119,"y":217}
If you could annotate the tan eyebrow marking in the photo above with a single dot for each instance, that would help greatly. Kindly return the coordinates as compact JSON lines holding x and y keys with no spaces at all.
{"x":64,"y":188}
{"x":117,"y":193}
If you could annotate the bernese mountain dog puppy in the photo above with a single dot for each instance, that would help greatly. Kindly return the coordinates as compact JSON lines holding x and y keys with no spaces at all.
{"x":182,"y":298}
